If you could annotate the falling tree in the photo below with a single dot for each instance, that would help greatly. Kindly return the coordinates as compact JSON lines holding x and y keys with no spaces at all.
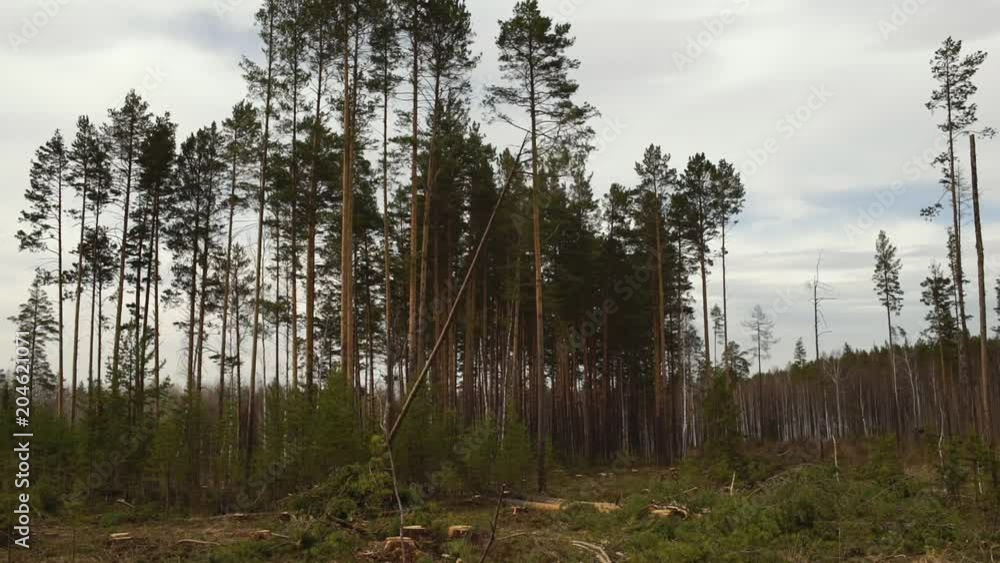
{"x":535,"y":70}
{"x":890,"y":295}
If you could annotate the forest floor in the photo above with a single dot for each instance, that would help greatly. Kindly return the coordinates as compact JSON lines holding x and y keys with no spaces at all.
{"x":792,"y":506}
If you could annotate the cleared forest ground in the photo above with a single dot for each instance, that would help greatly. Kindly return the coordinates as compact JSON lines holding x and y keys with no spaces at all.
{"x":791,"y":506}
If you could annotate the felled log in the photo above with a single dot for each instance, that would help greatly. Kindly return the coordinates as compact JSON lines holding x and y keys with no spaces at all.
{"x":669,"y":510}
{"x":556,"y":505}
{"x":120,"y":537}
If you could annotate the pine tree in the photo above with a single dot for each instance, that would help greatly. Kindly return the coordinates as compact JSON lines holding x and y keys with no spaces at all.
{"x":730,"y":198}
{"x":36,"y":324}
{"x":535,"y":69}
{"x":761,"y":329}
{"x":241,"y":139}
{"x":446,"y":50}
{"x":890,"y":295}
{"x":262,"y":83}
{"x":953,"y":96}
{"x":718,"y":329}
{"x":44,"y":218}
{"x":157,"y":161}
{"x":701,"y":225}
{"x":386,"y":55}
{"x":799,"y":357}
{"x":293,"y":31}
{"x":938,"y":295}
{"x":126,"y":128}
{"x":655,"y":176}
{"x":89,"y":170}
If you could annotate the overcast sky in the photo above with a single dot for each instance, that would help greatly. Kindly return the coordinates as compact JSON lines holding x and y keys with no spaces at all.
{"x":820,"y":104}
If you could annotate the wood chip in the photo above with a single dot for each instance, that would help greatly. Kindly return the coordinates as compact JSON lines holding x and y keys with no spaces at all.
{"x":416,"y":532}
{"x":261,"y":534}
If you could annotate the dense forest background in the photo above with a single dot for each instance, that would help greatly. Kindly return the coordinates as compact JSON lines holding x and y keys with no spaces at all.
{"x":359,"y":276}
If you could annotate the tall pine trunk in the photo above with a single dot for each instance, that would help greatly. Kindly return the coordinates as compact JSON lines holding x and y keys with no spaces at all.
{"x":347,"y":219}
{"x":261,"y":199}
{"x":310,"y":344}
{"x":411,"y":333}
{"x":79,"y":297}
{"x":387,"y":239}
{"x":120,"y":297}
{"x":986,"y":426}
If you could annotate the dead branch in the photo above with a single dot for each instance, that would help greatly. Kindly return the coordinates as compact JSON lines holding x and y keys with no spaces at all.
{"x":197,"y":542}
{"x":595,"y":550}
{"x":493,"y":525}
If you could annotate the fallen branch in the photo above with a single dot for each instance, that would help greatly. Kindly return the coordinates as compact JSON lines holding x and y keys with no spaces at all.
{"x":668,"y":510}
{"x":597,"y":551}
{"x":197,"y":542}
{"x":512,"y":536}
{"x":493,"y":526}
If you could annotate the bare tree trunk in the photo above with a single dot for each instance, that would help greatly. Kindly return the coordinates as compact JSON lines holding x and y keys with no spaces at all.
{"x":227,"y":284}
{"x":115,"y":356}
{"x":60,"y":283}
{"x":414,"y":202}
{"x":347,"y":220}
{"x":261,"y":199}
{"x":390,"y":402}
{"x":985,"y":426}
{"x":76,"y":315}
{"x":310,"y":344}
